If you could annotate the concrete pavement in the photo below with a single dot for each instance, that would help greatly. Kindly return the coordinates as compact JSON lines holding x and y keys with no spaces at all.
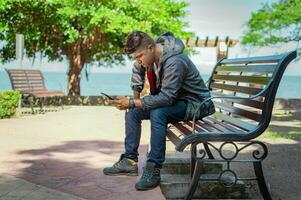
{"x":66,"y":151}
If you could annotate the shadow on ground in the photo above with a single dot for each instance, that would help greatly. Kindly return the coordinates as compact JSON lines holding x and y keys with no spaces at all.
{"x":75,"y":167}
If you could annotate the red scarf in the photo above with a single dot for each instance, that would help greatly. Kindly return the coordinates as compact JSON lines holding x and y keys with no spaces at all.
{"x":151,"y":76}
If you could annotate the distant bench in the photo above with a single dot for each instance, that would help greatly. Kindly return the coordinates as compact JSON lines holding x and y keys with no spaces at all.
{"x":30,"y":82}
{"x":243,"y":91}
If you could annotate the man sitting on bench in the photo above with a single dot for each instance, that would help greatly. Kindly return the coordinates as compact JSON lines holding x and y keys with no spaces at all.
{"x":176,"y":89}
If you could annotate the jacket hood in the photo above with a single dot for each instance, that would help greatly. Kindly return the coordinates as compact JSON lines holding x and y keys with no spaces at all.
{"x":171,"y":46}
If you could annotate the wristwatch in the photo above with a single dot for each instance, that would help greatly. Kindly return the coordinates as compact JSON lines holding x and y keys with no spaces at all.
{"x":131,"y":103}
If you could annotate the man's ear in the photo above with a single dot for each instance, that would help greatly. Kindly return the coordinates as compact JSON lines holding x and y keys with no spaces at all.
{"x":151,"y":47}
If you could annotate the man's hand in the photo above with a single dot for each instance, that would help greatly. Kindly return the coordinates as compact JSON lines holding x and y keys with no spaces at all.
{"x":121,"y":103}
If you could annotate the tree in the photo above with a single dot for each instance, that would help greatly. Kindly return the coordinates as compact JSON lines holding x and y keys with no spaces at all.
{"x":279,"y":22}
{"x":84,"y":31}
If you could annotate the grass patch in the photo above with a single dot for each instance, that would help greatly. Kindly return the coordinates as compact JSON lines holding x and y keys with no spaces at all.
{"x":293,"y":135}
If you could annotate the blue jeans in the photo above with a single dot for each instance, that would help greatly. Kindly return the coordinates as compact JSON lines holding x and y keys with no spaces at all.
{"x":159,"y":118}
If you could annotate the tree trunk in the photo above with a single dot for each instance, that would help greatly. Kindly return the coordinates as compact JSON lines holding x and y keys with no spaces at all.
{"x":76,"y":64}
{"x":74,"y":76}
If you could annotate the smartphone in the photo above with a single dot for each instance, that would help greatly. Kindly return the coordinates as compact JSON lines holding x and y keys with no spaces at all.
{"x":108,"y":96}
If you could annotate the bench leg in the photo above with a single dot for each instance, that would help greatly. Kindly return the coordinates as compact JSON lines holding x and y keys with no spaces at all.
{"x":193,"y":151}
{"x":207,"y":149}
{"x":199,"y":169}
{"x":61,"y":102}
{"x":42,"y":103}
{"x":31,"y":100}
{"x":261,"y":181}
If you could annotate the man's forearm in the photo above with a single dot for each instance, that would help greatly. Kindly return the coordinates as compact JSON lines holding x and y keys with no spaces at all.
{"x":137,"y":100}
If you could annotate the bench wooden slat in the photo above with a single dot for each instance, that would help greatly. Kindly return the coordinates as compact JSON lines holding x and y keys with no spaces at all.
{"x":210,"y":127}
{"x":23,"y":86}
{"x":49,"y":95}
{"x":197,"y":127}
{"x":35,"y":84}
{"x":240,"y":89}
{"x":206,"y":126}
{"x":23,"y":70}
{"x":227,"y":126}
{"x":216,"y":125}
{"x":244,"y":79}
{"x":184,"y":130}
{"x":23,"y":90}
{"x":47,"y":92}
{"x":32,"y":71}
{"x":234,"y":121}
{"x":172,"y":137}
{"x":27,"y":81}
{"x":238,"y":111}
{"x":26,"y":78}
{"x":246,"y":68}
{"x":247,"y":102}
{"x":19,"y":75}
{"x":37,"y":87}
{"x":34,"y":91}
{"x":34,"y":77}
{"x":262,"y":59}
{"x":26,"y":74}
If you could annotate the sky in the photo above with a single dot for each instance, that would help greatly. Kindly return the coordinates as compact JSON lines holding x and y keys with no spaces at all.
{"x":206,"y":18}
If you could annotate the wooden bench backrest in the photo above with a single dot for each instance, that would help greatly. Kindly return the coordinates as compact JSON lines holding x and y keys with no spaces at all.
{"x":247,"y":77}
{"x":26,"y":80}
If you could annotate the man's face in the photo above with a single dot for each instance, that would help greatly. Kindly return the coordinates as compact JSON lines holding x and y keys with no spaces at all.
{"x":145,"y":57}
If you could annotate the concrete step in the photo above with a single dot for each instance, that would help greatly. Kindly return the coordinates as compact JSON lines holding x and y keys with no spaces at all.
{"x":175,"y":187}
{"x":182,"y":166}
{"x":179,"y":163}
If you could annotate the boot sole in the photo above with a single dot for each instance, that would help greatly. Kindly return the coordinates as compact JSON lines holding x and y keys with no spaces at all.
{"x":120,"y":174}
{"x":149,"y":188}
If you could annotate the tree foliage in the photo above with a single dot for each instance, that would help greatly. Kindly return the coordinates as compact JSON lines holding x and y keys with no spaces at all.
{"x":84,"y":31}
{"x":274,"y":23}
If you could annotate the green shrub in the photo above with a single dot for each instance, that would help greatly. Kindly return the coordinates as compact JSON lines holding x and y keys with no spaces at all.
{"x":9,"y":101}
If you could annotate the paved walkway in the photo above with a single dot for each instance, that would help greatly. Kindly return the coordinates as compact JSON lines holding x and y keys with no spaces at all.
{"x":61,"y":156}
{"x":66,"y":152}
{"x":12,"y":188}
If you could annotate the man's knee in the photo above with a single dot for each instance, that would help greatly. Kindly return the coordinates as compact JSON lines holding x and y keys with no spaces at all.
{"x":159,"y":114}
{"x":133,"y":114}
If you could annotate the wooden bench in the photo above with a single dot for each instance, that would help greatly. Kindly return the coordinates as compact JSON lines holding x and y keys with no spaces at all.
{"x":243,"y":91}
{"x":30,"y":82}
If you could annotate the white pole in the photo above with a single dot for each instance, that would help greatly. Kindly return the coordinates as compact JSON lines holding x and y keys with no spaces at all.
{"x":19,"y":48}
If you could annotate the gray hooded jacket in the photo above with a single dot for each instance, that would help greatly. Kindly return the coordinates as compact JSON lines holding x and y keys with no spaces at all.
{"x":178,"y":80}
